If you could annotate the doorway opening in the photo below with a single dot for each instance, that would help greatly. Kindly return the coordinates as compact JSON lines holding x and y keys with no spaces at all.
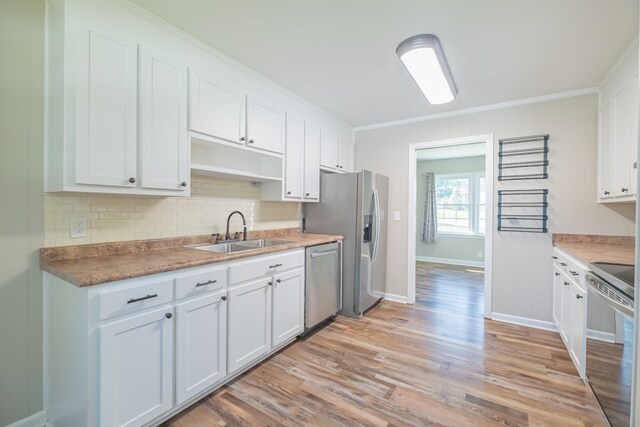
{"x":451,"y":222}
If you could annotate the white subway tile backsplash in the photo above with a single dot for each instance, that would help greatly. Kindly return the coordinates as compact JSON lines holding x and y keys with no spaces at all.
{"x":115,"y":218}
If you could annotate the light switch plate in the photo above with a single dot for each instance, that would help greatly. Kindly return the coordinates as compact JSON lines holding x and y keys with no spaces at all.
{"x":396,"y":215}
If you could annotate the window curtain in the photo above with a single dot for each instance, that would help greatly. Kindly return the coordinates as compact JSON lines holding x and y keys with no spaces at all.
{"x":430,"y":221}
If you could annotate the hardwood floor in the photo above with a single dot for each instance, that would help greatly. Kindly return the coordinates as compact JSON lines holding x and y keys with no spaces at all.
{"x":436,"y":363}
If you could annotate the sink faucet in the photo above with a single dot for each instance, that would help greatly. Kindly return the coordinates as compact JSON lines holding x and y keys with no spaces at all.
{"x":244,"y":225}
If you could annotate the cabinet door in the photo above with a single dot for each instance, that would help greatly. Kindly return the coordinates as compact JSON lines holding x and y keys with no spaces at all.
{"x":201,"y":344}
{"x":622,"y":131}
{"x":557,"y":297}
{"x":578,"y":328}
{"x":164,"y":146}
{"x":265,"y":126}
{"x":311,"y":162}
{"x":136,"y":365}
{"x":566,"y":316}
{"x":106,"y":110}
{"x":294,"y":159}
{"x":328,"y":150}
{"x":216,"y":109}
{"x":345,"y":155}
{"x":606,"y":153}
{"x":249,"y":335}
{"x":634,"y":139}
{"x":288,"y":306}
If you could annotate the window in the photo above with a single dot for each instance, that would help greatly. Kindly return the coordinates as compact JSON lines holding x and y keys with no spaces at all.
{"x":461,"y":203}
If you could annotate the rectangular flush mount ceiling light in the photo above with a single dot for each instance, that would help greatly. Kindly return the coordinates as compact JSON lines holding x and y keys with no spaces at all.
{"x":423,"y":57}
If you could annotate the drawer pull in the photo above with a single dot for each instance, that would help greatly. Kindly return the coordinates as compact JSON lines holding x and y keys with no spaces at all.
{"x":557,"y":274}
{"x":132,"y":300}
{"x":278,"y":281}
{"x":566,"y":283}
{"x":573,"y":272}
{"x":579,"y":296}
{"x":563,"y":264}
{"x":275,"y":266}
{"x":554,"y":257}
{"x":208,"y":282}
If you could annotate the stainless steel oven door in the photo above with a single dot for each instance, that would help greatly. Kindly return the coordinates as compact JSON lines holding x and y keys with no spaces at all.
{"x":609,"y":364}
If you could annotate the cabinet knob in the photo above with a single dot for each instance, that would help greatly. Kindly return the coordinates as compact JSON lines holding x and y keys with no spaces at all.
{"x":340,"y":166}
{"x":168,"y":315}
{"x":132,"y":180}
{"x":270,"y":283}
{"x":223,"y":298}
{"x":278,"y":280}
{"x":606,"y":193}
{"x":566,"y":283}
{"x":554,"y":257}
{"x":251,"y":141}
{"x":624,"y":190}
{"x":307,"y":194}
{"x":183,"y":184}
{"x":288,"y":192}
{"x":557,"y":274}
{"x":337,"y":166}
{"x":579,"y":296}
{"x":573,"y":273}
{"x":243,"y":139}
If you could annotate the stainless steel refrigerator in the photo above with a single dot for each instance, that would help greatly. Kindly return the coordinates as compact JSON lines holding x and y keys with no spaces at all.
{"x":354,"y":205}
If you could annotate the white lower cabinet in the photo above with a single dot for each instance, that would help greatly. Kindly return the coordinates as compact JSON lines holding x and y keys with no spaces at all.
{"x":201,"y":344}
{"x":136,"y":368}
{"x":249,"y":323}
{"x":288,"y":306}
{"x":118,"y":353}
{"x":569,"y":306}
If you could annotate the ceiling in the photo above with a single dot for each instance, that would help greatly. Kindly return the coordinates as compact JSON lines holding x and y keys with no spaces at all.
{"x":340,"y":54}
{"x":451,"y":152}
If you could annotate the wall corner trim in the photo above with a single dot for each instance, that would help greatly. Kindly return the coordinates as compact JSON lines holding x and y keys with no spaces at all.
{"x":524,"y":321}
{"x":39,"y":419}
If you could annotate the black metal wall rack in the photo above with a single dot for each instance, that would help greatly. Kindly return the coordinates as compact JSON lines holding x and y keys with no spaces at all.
{"x":523,"y":210}
{"x":534,"y":151}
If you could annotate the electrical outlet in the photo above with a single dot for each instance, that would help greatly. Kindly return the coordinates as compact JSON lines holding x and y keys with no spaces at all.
{"x":78,"y":227}
{"x":479,"y":254}
{"x":396,"y":215}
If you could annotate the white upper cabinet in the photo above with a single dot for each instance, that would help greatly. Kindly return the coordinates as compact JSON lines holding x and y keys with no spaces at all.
{"x":311,"y":162}
{"x":265,"y":125}
{"x":116,"y":108}
{"x":164,"y":148}
{"x":105,"y":109}
{"x":294,"y":160}
{"x":329,"y":150}
{"x":336,"y":153}
{"x":618,"y":132}
{"x":216,"y":109}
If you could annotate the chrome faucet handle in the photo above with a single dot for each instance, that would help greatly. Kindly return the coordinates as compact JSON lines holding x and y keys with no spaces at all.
{"x":216,"y":238}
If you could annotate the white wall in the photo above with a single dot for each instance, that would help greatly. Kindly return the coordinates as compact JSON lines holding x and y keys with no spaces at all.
{"x":521,"y":263}
{"x":448,"y":247}
{"x":21,"y":222}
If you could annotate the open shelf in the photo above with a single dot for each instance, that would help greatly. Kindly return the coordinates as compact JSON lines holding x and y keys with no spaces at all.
{"x":533,"y":151}
{"x":211,"y":158}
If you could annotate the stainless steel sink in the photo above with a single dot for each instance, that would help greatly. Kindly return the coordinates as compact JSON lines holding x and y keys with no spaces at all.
{"x":243,"y":245}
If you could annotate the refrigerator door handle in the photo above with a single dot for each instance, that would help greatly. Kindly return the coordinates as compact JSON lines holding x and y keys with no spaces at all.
{"x":376,"y":242}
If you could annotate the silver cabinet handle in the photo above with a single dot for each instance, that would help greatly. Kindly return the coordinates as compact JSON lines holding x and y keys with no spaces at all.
{"x":223,"y":298}
{"x":563,"y":264}
{"x":566,"y":283}
{"x":243,"y":139}
{"x":132,"y":180}
{"x":573,"y":273}
{"x":278,"y":281}
{"x":275,"y":265}
{"x":325,"y":253}
{"x":579,"y":296}
{"x":251,"y":141}
{"x":624,"y":190}
{"x":183,"y":184}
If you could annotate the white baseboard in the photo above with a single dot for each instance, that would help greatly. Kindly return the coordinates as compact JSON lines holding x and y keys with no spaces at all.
{"x":609,"y":337}
{"x":391,"y":297}
{"x":450,"y":261}
{"x":524,"y":321}
{"x":39,"y":419}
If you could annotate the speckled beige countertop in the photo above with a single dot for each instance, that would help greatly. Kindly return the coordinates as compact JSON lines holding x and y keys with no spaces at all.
{"x":86,"y":265}
{"x":593,"y":248}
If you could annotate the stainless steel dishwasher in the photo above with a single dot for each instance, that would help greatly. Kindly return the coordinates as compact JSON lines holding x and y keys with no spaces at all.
{"x":323,"y":285}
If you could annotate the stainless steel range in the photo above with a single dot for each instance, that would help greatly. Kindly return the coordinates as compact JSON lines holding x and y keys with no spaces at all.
{"x":609,"y":364}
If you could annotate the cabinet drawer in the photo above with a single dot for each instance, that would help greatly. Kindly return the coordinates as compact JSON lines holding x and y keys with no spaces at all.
{"x":263,"y":266}
{"x":200,"y":282}
{"x":122,"y":301}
